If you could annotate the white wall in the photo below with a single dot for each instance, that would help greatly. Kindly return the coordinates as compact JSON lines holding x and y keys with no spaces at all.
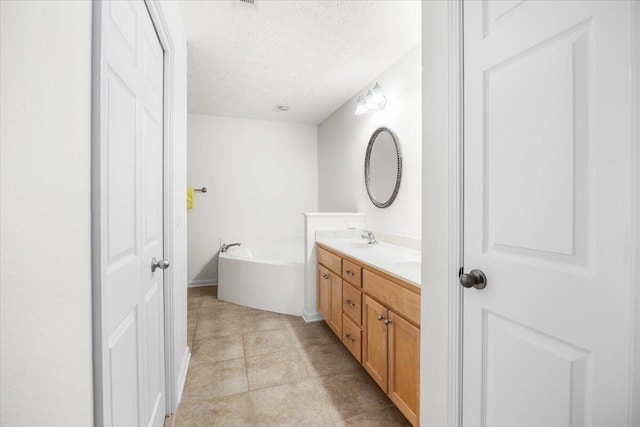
{"x":342,"y":143}
{"x":261,"y":176}
{"x":45,"y":216}
{"x":435,"y":214}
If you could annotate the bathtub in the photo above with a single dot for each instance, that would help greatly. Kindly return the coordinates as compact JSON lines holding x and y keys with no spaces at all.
{"x":267,"y":274}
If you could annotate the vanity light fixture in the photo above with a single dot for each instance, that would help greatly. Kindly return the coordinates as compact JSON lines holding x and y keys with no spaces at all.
{"x":361,"y":107}
{"x":374,"y":99}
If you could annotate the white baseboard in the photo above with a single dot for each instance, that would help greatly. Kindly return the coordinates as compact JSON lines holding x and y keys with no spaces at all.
{"x":199,"y":283}
{"x":311,"y":317}
{"x":182,"y":377}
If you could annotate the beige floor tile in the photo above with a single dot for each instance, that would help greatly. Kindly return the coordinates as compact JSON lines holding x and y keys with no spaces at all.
{"x":261,"y":321}
{"x":388,"y":417}
{"x":192,"y":316}
{"x":297,"y":404}
{"x":215,"y":349}
{"x":312,"y":333}
{"x":293,"y":320}
{"x":210,"y":380}
{"x":226,"y":312}
{"x":202,"y":291}
{"x":218,"y":328}
{"x":191,"y":332}
{"x":194,"y":304}
{"x":352,"y":393}
{"x":168,"y":421}
{"x":225,"y":411}
{"x":267,"y":370}
{"x":264,"y":342}
{"x":214,"y":302}
{"x":327,"y":358}
{"x":281,"y":353}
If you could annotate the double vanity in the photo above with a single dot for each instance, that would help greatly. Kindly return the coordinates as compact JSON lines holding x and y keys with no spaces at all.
{"x":369,"y":295}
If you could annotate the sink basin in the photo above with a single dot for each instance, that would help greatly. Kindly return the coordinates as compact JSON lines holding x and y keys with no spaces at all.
{"x":408,"y":267}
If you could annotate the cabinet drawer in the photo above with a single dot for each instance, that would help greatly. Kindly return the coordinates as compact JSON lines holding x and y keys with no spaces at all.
{"x":352,"y":337}
{"x":352,"y":273}
{"x":401,"y":300}
{"x":352,"y":303}
{"x":329,"y":260}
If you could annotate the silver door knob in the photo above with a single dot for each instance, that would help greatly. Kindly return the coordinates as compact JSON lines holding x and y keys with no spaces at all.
{"x":162,"y":264}
{"x":475,"y":279}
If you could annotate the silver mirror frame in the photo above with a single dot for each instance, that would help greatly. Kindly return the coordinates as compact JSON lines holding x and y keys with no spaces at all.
{"x":367,"y":160}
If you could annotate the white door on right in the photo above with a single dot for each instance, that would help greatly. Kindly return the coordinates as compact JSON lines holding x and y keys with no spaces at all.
{"x":548,"y":211}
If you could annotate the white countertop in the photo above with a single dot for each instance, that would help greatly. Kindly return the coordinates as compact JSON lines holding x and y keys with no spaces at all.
{"x":400,"y":262}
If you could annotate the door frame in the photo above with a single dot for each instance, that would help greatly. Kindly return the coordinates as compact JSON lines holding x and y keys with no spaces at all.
{"x":455,"y":46}
{"x":455,"y":123}
{"x":167,"y":43}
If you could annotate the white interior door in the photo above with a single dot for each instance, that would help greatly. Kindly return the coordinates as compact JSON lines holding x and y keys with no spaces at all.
{"x":131,"y":359}
{"x":547,"y":213}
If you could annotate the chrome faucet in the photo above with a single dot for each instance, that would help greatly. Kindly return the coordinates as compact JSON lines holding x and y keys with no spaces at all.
{"x":369,"y":235}
{"x":226,"y":247}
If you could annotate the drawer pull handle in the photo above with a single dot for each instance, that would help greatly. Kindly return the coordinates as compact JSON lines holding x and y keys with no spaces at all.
{"x":325,"y":276}
{"x":351,"y":303}
{"x":350,"y":273}
{"x":350,"y":338}
{"x":387,"y":321}
{"x":380,"y":317}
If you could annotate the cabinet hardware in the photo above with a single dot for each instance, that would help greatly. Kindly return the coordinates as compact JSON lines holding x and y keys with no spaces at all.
{"x":387,"y":321}
{"x":350,"y":273}
{"x":325,"y":276}
{"x":351,"y":303}
{"x":380,"y":317}
{"x":350,"y":338}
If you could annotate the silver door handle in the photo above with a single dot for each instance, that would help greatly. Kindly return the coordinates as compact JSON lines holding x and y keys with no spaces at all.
{"x":475,"y":279}
{"x":162,"y":264}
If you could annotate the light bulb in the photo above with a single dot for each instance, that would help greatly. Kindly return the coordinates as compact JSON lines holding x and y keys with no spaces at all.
{"x":361,"y":107}
{"x":369,"y":101}
{"x":377,"y":97}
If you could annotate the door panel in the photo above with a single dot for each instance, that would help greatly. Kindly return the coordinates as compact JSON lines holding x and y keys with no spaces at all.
{"x":324,"y":293}
{"x":548,"y":204}
{"x":131,"y":223}
{"x":374,"y":343}
{"x":554,"y":382}
{"x":404,"y":366}
{"x":123,"y":372}
{"x":336,"y":305}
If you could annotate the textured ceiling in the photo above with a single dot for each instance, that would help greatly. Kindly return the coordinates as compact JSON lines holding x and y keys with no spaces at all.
{"x":310,"y":55}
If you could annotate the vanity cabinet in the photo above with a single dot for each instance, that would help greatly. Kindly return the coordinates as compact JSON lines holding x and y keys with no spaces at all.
{"x":377,"y":317}
{"x":330,"y":290}
{"x":375,"y":349}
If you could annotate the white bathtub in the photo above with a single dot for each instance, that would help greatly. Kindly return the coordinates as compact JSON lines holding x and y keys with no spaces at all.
{"x":267,"y":274}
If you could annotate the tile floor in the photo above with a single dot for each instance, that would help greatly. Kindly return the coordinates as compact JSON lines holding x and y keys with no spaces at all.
{"x":257,"y":368}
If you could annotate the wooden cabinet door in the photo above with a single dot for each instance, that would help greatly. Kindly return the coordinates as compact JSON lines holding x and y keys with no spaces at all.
{"x":404,"y":366}
{"x":324,"y":292}
{"x":335,"y":319}
{"x":374,"y":343}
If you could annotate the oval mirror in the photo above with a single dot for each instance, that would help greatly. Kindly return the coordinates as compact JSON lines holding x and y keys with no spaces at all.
{"x":383,"y":167}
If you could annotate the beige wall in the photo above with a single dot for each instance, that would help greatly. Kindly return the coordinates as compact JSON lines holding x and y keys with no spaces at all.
{"x":45,"y":217}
